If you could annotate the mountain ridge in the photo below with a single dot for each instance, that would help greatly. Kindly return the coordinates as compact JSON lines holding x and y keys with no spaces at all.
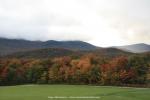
{"x":135,"y":48}
{"x":9,"y":46}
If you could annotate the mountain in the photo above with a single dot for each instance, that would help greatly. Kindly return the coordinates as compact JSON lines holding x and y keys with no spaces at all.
{"x":43,"y":53}
{"x":29,"y":49}
{"x":9,"y":46}
{"x":73,"y":45}
{"x":110,"y":52}
{"x":58,"y":52}
{"x":135,"y":48}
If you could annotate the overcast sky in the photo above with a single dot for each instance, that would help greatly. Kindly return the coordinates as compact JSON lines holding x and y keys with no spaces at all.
{"x":100,"y":22}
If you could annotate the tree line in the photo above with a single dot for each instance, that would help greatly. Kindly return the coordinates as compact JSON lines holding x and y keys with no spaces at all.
{"x":87,"y":69}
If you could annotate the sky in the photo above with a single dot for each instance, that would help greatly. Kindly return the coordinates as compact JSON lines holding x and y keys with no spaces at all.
{"x":99,"y":22}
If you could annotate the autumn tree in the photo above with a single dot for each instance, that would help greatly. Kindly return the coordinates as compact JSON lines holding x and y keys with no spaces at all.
{"x":140,"y":67}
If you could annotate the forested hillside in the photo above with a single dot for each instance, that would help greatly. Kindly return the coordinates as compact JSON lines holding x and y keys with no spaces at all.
{"x":85,"y":69}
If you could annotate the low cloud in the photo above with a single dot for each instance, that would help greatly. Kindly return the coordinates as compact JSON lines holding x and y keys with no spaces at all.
{"x":100,"y":22}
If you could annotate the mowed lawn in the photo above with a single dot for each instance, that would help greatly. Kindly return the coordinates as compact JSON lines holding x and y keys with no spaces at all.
{"x":42,"y":92}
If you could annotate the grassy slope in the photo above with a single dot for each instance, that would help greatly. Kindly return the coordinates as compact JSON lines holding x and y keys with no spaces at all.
{"x":41,"y":92}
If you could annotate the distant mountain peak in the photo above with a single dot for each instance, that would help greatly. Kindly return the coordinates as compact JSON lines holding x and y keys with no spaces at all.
{"x":135,"y":48}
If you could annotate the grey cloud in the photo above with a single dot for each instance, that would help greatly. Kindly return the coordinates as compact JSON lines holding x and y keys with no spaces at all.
{"x":85,"y":20}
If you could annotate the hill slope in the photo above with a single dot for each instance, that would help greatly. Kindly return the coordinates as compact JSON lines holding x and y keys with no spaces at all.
{"x":58,"y":52}
{"x":9,"y":46}
{"x":135,"y":48}
{"x":43,"y":53}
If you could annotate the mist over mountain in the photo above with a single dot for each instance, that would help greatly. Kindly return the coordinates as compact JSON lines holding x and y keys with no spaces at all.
{"x":135,"y":48}
{"x":29,"y":48}
{"x":8,"y":46}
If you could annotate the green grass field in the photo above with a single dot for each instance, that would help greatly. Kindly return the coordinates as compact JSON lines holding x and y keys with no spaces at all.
{"x":42,"y":92}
